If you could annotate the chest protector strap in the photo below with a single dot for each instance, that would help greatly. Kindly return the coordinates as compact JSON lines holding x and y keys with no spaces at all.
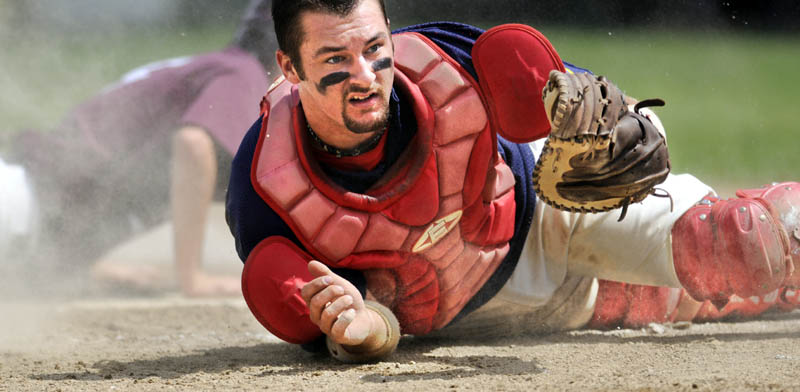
{"x":434,"y":229}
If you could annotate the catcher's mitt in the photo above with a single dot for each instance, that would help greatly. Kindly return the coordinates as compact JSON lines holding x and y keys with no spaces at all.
{"x":600,"y":155}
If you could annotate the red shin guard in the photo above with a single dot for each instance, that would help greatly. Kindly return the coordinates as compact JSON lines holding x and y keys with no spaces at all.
{"x":633,"y":306}
{"x":737,"y":246}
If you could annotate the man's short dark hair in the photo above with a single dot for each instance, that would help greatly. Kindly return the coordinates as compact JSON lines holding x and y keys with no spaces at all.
{"x":286,"y":15}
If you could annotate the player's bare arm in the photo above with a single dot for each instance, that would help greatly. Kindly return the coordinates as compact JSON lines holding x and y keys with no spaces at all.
{"x":194,"y":175}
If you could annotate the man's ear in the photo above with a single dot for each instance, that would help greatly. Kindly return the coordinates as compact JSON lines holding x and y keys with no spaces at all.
{"x":287,"y":67}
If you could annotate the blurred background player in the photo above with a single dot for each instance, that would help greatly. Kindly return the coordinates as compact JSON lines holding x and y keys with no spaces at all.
{"x":156,"y":145}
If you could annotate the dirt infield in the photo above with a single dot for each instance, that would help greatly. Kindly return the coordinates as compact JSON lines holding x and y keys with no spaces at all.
{"x":167,"y":342}
{"x":106,"y":340}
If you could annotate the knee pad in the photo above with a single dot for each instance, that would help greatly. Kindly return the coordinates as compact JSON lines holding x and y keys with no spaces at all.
{"x":784,"y":201}
{"x":726,"y":247}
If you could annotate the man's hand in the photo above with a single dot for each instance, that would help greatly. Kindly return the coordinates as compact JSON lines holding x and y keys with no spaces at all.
{"x":337,"y":308}
{"x":144,"y":277}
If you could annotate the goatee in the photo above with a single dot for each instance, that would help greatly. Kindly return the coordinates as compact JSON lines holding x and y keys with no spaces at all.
{"x":362,"y":128}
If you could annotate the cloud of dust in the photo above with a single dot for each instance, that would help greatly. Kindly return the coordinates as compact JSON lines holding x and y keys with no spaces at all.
{"x":56,"y":55}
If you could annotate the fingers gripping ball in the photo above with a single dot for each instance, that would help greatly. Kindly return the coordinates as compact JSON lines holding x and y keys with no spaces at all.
{"x":390,"y":341}
{"x":600,"y":155}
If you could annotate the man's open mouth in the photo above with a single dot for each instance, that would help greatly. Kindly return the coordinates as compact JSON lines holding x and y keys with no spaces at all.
{"x":362,"y":98}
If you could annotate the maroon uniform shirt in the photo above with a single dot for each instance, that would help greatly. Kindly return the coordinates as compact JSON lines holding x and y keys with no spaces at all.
{"x":104,"y":173}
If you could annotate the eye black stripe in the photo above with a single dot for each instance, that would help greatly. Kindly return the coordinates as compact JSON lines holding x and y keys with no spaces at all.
{"x":381,"y":64}
{"x":330,"y":80}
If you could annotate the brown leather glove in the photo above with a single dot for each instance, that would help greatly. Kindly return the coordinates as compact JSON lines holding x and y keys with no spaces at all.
{"x":600,"y":155}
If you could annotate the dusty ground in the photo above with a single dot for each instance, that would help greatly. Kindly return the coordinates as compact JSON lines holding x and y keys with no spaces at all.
{"x":162,"y":341}
{"x":171,"y":343}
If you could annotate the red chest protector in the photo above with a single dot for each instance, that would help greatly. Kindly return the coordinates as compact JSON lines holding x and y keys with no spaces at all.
{"x":432,"y":231}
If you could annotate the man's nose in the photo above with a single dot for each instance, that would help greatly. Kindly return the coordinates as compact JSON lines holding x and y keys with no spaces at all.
{"x":362,"y":72}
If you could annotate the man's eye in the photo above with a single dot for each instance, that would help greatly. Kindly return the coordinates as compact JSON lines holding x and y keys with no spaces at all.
{"x":373,"y":48}
{"x":334,"y":60}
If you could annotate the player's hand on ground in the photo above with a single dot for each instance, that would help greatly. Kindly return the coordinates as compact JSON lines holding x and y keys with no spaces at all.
{"x":207,"y":285}
{"x":118,"y":275}
{"x":336,"y":307}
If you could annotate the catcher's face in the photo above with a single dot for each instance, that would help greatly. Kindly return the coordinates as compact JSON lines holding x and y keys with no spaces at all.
{"x":347,"y":73}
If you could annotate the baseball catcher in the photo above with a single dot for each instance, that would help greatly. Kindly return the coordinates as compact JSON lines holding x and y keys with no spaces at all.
{"x":387,"y":189}
{"x":601,"y":154}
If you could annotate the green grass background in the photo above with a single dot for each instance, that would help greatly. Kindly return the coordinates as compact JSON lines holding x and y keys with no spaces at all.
{"x":732,"y":100}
